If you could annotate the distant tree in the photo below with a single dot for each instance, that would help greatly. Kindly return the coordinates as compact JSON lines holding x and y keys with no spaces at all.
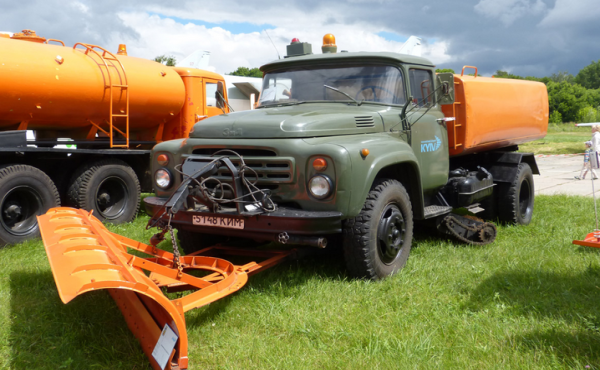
{"x":166,"y":60}
{"x":562,"y":76}
{"x":555,"y":117}
{"x":444,"y":70}
{"x":587,"y":114}
{"x":568,"y":99}
{"x":247,"y":72}
{"x":589,"y":76}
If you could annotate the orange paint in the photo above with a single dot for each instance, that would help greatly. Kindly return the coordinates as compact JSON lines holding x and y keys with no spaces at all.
{"x":493,"y":113}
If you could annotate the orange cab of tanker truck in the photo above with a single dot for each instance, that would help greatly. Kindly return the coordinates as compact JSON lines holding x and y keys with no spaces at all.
{"x":112,"y":107}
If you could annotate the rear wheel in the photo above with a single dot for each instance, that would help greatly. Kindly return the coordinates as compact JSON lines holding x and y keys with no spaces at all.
{"x":377,"y":242}
{"x":25,"y":192}
{"x":515,"y":200}
{"x":109,"y":187}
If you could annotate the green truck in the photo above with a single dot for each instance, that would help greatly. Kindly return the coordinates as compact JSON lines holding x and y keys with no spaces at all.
{"x":349,"y":150}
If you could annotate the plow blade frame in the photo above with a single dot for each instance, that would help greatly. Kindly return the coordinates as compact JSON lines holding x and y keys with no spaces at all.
{"x":84,"y":256}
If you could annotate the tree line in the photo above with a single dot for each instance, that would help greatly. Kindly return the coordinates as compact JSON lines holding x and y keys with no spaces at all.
{"x":570,"y":98}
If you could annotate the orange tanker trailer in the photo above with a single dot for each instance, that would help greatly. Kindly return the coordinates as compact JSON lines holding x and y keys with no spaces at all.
{"x":112,"y":107}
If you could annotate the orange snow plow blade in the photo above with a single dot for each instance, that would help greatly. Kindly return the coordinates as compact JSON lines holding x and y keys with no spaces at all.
{"x":85,"y":256}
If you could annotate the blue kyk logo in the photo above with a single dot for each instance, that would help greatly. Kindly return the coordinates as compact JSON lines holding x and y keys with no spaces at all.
{"x":431,"y":145}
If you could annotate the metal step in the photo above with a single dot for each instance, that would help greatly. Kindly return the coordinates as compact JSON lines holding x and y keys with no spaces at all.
{"x":434,"y":211}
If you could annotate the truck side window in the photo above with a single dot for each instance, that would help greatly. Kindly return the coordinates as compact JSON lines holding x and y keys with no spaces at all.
{"x":211,"y":89}
{"x":421,"y":87}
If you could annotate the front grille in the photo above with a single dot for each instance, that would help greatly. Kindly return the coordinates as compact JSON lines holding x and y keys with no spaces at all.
{"x":250,"y":152}
{"x":278,"y":170}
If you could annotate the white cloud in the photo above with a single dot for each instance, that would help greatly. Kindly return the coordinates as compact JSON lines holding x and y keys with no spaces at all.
{"x":229,"y":51}
{"x":568,"y":12}
{"x":508,"y":11}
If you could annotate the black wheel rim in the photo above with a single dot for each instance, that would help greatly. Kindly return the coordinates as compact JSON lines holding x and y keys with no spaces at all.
{"x":391,"y":234}
{"x":19,"y":207}
{"x":111,"y":197}
{"x":524,"y":198}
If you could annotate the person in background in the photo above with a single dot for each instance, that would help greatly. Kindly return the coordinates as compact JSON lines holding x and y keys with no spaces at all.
{"x":596,"y":138}
{"x":586,"y":162}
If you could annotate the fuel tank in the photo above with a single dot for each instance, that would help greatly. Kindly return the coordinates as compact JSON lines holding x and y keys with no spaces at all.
{"x":47,"y":87}
{"x":493,"y":113}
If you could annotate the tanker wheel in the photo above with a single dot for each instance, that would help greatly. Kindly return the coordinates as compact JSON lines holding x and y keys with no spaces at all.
{"x":108,"y":187}
{"x":190,"y":241}
{"x":377,"y":242}
{"x":25,"y":192}
{"x":515,"y":200}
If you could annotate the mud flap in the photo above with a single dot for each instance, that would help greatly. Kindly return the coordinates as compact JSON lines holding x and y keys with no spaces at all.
{"x":84,"y":256}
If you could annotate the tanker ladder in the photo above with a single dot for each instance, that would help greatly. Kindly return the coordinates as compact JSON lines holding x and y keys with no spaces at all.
{"x":108,"y":59}
{"x":85,"y":256}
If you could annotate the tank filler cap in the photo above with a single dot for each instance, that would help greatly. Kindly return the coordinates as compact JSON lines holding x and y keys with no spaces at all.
{"x":28,"y":35}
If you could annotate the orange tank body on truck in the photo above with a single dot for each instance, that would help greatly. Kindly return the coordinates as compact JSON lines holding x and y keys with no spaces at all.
{"x":494,"y":113}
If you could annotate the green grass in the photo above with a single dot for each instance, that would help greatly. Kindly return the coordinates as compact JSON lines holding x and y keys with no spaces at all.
{"x":529,"y":300}
{"x":561,"y":139}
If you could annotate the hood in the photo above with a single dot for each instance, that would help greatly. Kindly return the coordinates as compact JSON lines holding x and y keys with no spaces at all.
{"x":302,"y":120}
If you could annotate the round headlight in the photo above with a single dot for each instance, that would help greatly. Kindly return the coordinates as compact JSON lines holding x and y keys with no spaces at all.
{"x":162,"y":178}
{"x":320,"y":186}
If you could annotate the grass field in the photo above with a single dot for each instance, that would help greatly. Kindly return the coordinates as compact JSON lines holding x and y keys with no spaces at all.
{"x":529,"y":300}
{"x":561,"y":139}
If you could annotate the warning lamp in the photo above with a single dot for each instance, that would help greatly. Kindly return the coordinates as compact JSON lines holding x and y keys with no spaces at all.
{"x":122,"y":50}
{"x":329,"y":45}
{"x":295,"y":40}
{"x":320,"y":164}
{"x":163,"y":160}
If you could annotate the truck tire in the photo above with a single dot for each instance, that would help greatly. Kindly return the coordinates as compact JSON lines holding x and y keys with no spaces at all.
{"x":515,"y":200}
{"x":25,"y":192}
{"x":377,"y":242}
{"x":108,"y":187}
{"x":190,"y":241}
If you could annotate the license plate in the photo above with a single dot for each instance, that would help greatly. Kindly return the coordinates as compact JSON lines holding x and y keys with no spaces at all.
{"x":216,"y":221}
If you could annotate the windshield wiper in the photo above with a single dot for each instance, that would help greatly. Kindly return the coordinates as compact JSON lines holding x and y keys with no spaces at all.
{"x":341,"y":92}
{"x":279,"y":103}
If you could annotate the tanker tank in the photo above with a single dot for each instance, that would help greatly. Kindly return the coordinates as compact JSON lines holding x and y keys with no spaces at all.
{"x":60,"y":91}
{"x":494,"y":113}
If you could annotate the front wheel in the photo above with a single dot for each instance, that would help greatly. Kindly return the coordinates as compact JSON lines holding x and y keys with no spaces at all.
{"x":377,"y":242}
{"x":25,"y":192}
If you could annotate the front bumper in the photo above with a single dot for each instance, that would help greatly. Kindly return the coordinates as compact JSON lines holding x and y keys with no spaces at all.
{"x":266,"y":226}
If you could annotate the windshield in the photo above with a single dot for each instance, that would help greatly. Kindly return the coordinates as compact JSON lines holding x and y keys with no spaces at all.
{"x":374,"y":83}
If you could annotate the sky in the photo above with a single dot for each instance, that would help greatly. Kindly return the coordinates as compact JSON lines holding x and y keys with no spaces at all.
{"x":524,"y":37}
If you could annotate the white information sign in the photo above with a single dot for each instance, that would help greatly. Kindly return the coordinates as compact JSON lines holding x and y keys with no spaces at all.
{"x":164,"y":346}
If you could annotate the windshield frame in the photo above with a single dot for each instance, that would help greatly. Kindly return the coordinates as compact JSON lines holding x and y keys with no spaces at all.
{"x":324,"y":65}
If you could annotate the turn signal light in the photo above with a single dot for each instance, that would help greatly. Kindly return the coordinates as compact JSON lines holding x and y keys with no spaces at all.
{"x":365,"y":152}
{"x":163,"y":160}
{"x":320,"y":164}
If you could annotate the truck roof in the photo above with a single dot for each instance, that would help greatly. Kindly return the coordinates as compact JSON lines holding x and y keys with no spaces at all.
{"x":343,"y":56}
{"x":195,"y":72}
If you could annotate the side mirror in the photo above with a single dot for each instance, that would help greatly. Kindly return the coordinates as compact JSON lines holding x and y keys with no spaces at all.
{"x":446,"y":81}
